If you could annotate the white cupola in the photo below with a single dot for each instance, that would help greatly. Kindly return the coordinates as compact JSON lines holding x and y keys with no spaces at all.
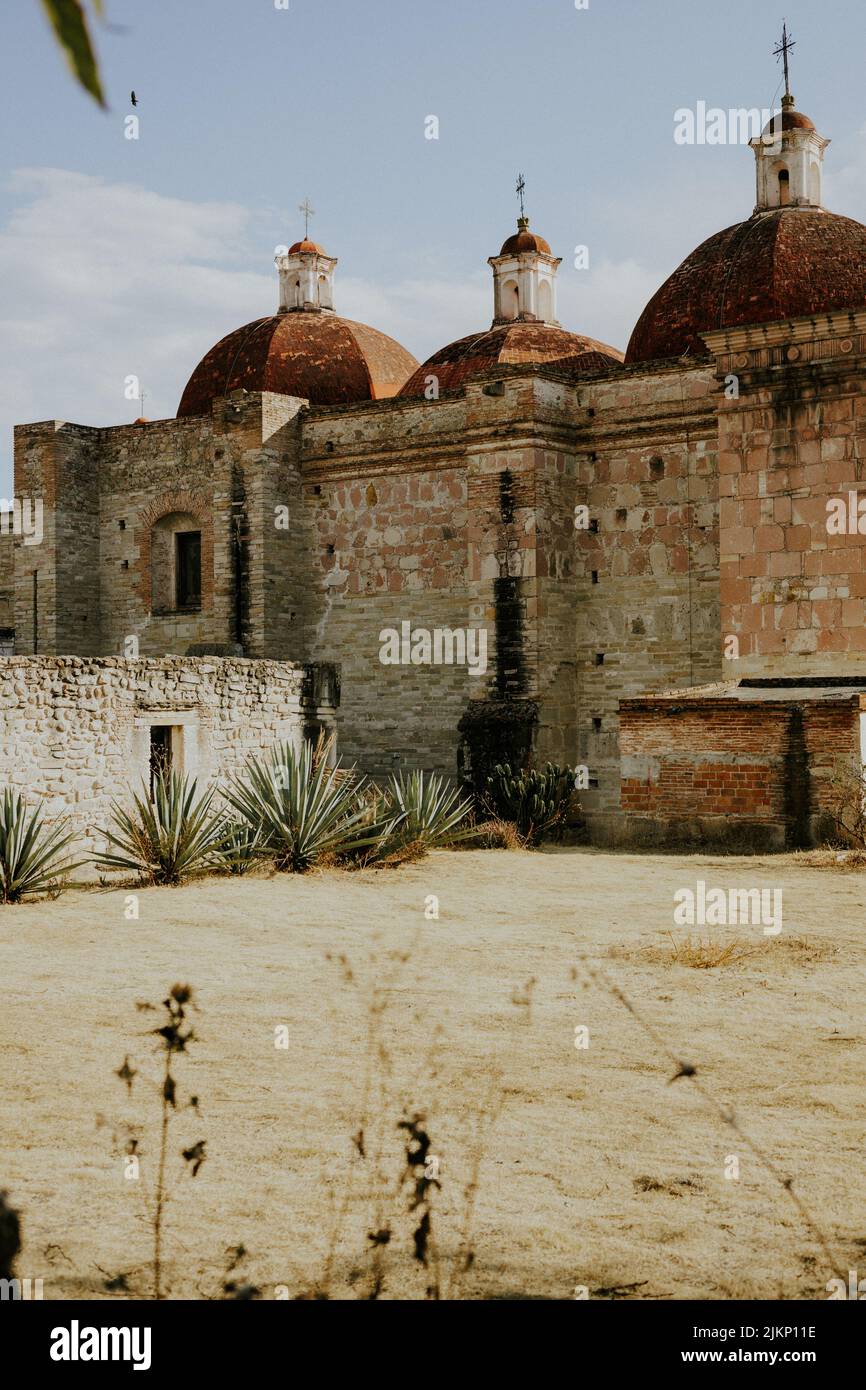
{"x":789,"y":152}
{"x":789,"y":155}
{"x":306,"y":278}
{"x":524,"y":278}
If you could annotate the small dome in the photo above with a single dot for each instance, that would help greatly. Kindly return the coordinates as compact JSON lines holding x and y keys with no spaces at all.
{"x":509,"y":344}
{"x":788,"y":119}
{"x":524,"y":240}
{"x":784,"y":263}
{"x":320,"y":357}
{"x":306,"y":248}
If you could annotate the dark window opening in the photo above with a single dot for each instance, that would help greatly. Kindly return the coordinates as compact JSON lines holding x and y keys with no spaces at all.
{"x":188,"y":569}
{"x":596,"y":724}
{"x":160,"y":754}
{"x":593,"y":526}
{"x":599,"y":658}
{"x":506,"y":497}
{"x":7,"y":641}
{"x":621,"y":516}
{"x":595,"y":576}
{"x":657,"y":468}
{"x":784,"y":187}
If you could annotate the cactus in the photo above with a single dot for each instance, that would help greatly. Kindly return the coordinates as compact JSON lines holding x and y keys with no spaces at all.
{"x":537,"y":802}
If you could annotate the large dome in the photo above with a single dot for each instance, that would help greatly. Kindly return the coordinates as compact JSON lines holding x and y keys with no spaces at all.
{"x":325,"y":359}
{"x":787,"y":262}
{"x":507,"y":344}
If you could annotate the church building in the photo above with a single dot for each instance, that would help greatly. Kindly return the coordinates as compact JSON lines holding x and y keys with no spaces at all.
{"x":532,"y":546}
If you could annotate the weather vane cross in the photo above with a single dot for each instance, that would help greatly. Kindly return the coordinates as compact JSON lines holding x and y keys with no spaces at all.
{"x":309,"y":211}
{"x":782,"y":50}
{"x":521,"y":189}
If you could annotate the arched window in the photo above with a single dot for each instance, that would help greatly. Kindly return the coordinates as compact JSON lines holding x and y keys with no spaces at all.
{"x":175,"y":563}
{"x":784,"y":187}
{"x":510,"y":300}
{"x":815,"y":184}
{"x":545,"y":301}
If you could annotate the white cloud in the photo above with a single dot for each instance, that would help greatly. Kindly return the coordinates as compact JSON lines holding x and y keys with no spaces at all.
{"x":422,"y":314}
{"x":102,"y":281}
{"x":605,"y":301}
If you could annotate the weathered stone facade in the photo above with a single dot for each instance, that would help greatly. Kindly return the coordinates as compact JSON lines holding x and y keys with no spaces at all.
{"x":322,"y":528}
{"x":75,"y":732}
{"x":601,"y":530}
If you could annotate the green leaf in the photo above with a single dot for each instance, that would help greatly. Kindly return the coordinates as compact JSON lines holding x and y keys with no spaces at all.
{"x":69,"y":23}
{"x":31,"y":856}
{"x":167,"y":838}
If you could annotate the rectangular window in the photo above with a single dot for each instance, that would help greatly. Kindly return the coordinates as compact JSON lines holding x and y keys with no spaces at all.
{"x":7,"y":641}
{"x":188,"y":569}
{"x":160,"y":753}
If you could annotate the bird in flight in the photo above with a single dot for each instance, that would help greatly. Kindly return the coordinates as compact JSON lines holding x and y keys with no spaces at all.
{"x":133,"y":98}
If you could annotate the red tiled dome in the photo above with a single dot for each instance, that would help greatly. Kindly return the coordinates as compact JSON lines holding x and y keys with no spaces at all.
{"x":325,"y":359}
{"x":507,"y":344}
{"x":788,"y":119}
{"x":786,"y":263}
{"x":306,"y":247}
{"x":525,"y":240}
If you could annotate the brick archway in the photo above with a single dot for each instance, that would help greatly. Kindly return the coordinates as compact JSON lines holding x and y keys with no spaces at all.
{"x":189,"y":502}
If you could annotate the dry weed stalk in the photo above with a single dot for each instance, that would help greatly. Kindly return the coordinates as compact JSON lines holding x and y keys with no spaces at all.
{"x":175,"y":1036}
{"x":847,"y":804}
{"x":403,"y":1186}
{"x":689,"y":1072}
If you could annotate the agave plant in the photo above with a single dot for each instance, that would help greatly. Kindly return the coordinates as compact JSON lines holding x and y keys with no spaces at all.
{"x":240,"y":846}
{"x":430,"y":812}
{"x":536,"y":802}
{"x":31,"y":856}
{"x":168,"y":838}
{"x":301,"y":808}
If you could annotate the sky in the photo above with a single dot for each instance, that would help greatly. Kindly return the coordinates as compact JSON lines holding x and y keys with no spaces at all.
{"x":123,"y":258}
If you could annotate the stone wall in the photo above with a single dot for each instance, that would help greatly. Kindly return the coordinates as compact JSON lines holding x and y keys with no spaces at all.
{"x":746,"y":769}
{"x":76,"y":731}
{"x":793,"y":593}
{"x":647,"y":569}
{"x":323,"y":529}
{"x":7,"y":583}
{"x":426,"y":513}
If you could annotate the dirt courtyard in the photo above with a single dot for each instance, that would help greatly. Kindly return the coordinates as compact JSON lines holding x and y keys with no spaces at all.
{"x":562,"y":1168}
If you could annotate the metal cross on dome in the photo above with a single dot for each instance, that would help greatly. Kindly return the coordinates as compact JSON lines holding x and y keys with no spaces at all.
{"x":309,"y":211}
{"x":521,"y":189}
{"x":782,"y":50}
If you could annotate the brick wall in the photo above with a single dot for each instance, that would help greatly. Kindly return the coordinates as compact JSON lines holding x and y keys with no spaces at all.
{"x":793,"y":594}
{"x":7,"y":582}
{"x":742,"y":772}
{"x":646,"y":591}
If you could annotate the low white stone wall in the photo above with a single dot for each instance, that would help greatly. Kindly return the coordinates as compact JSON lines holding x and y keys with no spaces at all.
{"x":75,"y":732}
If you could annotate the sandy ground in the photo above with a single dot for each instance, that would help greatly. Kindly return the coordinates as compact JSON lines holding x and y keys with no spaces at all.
{"x":594,"y":1171}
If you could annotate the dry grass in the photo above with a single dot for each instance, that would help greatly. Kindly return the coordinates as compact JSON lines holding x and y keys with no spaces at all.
{"x":840,"y":860}
{"x":501,"y":834}
{"x":703,"y":954}
{"x":565,"y":1167}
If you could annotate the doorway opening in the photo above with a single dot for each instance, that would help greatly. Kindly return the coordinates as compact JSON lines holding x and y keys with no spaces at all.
{"x":160,"y":754}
